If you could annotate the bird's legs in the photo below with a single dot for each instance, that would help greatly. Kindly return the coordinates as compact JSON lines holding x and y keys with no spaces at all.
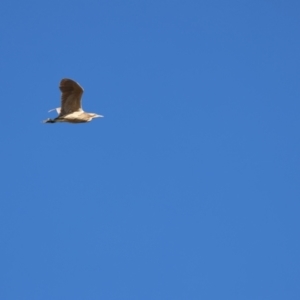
{"x":49,"y":121}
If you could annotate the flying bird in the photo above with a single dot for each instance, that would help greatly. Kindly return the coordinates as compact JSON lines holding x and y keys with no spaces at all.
{"x":71,"y":110}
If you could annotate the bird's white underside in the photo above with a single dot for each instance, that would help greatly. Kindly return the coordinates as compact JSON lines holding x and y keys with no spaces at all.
{"x":71,"y":115}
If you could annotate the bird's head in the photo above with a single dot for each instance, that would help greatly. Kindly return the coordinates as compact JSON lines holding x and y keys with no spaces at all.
{"x":96,"y":116}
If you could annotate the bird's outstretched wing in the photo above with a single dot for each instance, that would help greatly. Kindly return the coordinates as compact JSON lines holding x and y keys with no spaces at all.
{"x":71,"y":93}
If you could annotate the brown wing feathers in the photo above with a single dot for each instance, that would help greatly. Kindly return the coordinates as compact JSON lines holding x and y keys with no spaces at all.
{"x":70,"y":97}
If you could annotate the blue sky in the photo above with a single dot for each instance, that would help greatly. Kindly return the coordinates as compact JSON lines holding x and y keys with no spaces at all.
{"x":188,"y":188}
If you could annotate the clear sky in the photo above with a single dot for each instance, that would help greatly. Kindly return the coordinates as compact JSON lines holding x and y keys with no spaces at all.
{"x":188,"y":188}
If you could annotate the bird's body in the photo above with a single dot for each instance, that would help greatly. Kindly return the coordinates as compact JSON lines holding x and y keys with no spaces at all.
{"x":71,"y":110}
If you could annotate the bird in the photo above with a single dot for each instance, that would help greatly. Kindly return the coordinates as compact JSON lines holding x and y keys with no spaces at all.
{"x":71,"y":110}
